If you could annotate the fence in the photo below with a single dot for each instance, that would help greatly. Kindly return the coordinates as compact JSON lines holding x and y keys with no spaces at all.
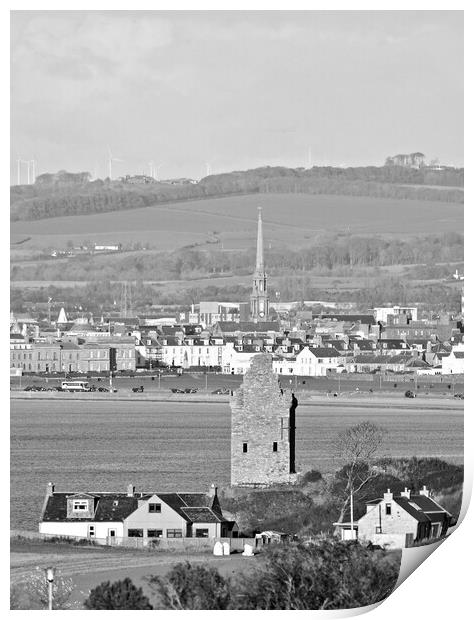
{"x":146,"y":544}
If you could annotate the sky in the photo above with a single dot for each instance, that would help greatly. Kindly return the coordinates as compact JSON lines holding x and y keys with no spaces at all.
{"x":213,"y":91}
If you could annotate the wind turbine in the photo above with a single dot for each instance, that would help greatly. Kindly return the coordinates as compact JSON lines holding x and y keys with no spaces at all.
{"x":155,"y":170}
{"x":18,"y":170}
{"x":33,"y":163}
{"x":110,"y":160}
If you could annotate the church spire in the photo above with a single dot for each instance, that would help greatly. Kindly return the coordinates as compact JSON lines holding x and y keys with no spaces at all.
{"x":259,"y":295}
{"x":259,"y":262}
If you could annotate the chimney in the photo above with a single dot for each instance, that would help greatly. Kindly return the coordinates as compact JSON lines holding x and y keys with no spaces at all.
{"x":424,"y":491}
{"x":388,"y":496}
{"x":50,"y":489}
{"x":130,"y":490}
{"x":405,"y":493}
{"x":212,"y":491}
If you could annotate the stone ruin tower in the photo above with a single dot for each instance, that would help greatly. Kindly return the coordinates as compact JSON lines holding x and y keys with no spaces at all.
{"x":262,"y":428}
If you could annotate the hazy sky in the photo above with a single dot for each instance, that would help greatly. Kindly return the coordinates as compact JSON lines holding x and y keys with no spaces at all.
{"x":234,"y":89}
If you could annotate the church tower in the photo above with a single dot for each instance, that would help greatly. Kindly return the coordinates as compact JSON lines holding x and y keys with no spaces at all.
{"x":259,"y":295}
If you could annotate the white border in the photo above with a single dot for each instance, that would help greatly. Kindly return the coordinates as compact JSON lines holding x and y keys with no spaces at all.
{"x":442,"y":587}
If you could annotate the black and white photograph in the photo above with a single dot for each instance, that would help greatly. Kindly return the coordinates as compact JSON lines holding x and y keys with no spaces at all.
{"x":236,"y":305}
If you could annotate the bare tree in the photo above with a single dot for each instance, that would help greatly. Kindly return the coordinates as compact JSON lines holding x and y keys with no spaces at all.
{"x":357,"y":446}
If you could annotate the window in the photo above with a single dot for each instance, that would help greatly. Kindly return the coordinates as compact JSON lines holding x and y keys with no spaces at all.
{"x":154,"y":507}
{"x":245,"y":447}
{"x":91,"y":531}
{"x":378,"y":529}
{"x":275,"y":446}
{"x":134,"y":533}
{"x":154,"y":533}
{"x":174,"y":534}
{"x":202,"y":533}
{"x":80,"y":505}
{"x":388,"y":509}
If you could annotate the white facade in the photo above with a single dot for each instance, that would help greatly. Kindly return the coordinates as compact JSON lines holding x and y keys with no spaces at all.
{"x":284,"y":366}
{"x":382,"y":314}
{"x":82,"y":529}
{"x":187,"y":355}
{"x":236,"y":362}
{"x":310,"y":365}
{"x":453,"y":364}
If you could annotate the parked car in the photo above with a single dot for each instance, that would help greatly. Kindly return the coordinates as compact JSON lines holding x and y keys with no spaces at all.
{"x":102,"y":389}
{"x":221,"y":391}
{"x":137,"y":389}
{"x":177,"y":391}
{"x":190,"y":390}
{"x":410,"y":394}
{"x":459,"y":395}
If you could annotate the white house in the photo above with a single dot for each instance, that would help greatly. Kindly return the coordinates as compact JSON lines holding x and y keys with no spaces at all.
{"x":316,"y":361}
{"x":113,"y":518}
{"x":398,"y":521}
{"x":191,"y":352}
{"x":236,"y":358}
{"x":453,"y":363}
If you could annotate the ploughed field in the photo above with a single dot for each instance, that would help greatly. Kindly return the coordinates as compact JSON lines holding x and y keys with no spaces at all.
{"x":179,"y":446}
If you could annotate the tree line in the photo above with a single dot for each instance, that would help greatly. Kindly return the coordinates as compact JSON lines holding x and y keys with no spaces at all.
{"x":331,"y":252}
{"x":48,"y":199}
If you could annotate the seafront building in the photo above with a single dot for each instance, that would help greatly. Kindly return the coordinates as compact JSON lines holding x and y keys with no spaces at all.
{"x":118,"y":518}
{"x":225,"y":337}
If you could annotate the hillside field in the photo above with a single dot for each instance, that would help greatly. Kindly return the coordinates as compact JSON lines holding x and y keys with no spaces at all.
{"x":289,"y":219}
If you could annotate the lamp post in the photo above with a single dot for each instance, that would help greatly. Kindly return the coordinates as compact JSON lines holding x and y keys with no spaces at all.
{"x":49,"y":574}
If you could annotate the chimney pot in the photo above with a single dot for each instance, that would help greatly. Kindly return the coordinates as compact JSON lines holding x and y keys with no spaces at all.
{"x":388,"y":496}
{"x":130,"y":490}
{"x":50,"y":489}
{"x":406,"y":493}
{"x":212,"y":491}
{"x":424,"y":491}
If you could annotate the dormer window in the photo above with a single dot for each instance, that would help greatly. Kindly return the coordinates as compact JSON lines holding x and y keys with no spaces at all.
{"x":154,"y":508}
{"x":80,"y":505}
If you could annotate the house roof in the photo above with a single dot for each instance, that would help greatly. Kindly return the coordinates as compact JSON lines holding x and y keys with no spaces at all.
{"x":393,"y":343}
{"x":69,"y":345}
{"x":422,"y":508}
{"x":324,"y":351}
{"x":56,"y":507}
{"x":366,"y":319}
{"x":118,"y":506}
{"x":417,"y":362}
{"x":363,"y":345}
{"x":204,"y":515}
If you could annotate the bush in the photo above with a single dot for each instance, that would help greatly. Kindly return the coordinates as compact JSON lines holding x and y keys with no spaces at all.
{"x":284,"y":510}
{"x":327,"y":575}
{"x":189,"y":586}
{"x":311,"y":476}
{"x":33,"y":592}
{"x":118,"y":595}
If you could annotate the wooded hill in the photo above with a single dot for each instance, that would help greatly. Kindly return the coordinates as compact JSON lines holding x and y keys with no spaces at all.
{"x":81,"y":196}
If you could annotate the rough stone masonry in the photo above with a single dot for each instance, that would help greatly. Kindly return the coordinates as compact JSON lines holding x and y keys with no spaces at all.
{"x":262,"y":428}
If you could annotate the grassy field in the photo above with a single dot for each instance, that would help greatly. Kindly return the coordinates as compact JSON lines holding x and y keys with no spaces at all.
{"x":90,"y":566}
{"x":290,"y":219}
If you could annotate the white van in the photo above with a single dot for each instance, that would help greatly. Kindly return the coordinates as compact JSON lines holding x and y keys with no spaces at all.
{"x":75,"y":386}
